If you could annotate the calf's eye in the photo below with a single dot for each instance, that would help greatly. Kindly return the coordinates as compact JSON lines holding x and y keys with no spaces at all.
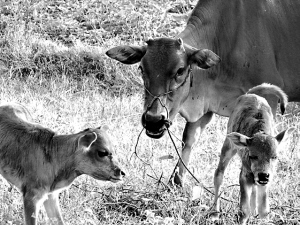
{"x":102,"y":153}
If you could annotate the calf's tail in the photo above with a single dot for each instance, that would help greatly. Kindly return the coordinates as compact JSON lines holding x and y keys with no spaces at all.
{"x":270,"y":89}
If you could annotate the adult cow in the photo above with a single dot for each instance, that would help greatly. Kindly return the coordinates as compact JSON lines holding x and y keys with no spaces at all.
{"x":258,"y":41}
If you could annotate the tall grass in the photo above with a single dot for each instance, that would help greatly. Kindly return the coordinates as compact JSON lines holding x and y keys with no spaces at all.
{"x":57,"y":68}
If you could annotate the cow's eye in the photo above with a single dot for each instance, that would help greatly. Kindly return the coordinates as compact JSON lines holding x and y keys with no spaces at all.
{"x":253,"y":157}
{"x":102,"y":153}
{"x":180,"y":71}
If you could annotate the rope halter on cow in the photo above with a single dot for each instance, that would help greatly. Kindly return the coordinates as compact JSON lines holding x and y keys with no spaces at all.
{"x":167,"y":122}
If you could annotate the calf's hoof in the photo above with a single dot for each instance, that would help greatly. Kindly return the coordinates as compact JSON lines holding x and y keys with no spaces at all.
{"x":242,"y":218}
{"x":264,"y":215}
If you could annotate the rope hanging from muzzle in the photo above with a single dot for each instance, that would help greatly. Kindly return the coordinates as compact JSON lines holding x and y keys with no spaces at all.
{"x":157,"y":97}
{"x":167,"y":124}
{"x":187,"y":169}
{"x":180,"y":158}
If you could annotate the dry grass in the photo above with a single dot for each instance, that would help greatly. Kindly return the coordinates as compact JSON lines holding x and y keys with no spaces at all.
{"x":63,"y":77}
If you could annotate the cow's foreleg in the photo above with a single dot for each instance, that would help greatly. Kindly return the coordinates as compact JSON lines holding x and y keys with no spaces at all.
{"x":191,"y":133}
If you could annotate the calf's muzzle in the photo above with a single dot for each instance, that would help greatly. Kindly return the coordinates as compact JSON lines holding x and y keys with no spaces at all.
{"x":118,"y":172}
{"x":263,"y":178}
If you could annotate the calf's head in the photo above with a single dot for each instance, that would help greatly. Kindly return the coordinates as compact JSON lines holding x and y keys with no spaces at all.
{"x":261,"y":153}
{"x":165,"y":66}
{"x":94,"y":156}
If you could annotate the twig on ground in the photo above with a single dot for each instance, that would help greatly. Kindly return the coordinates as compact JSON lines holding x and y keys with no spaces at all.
{"x":135,"y":149}
{"x":159,"y":181}
{"x":86,"y":190}
{"x":296,"y":209}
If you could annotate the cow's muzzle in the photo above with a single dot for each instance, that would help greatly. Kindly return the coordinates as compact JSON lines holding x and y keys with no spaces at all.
{"x":155,"y":126}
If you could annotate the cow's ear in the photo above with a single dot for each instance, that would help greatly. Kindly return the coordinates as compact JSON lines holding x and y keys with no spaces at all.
{"x":127,"y":54}
{"x":204,"y":58}
{"x":285,"y":135}
{"x":86,"y":140}
{"x":238,"y":139}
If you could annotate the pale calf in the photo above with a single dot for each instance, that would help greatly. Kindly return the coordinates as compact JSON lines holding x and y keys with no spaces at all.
{"x":251,"y":133}
{"x":41,"y":163}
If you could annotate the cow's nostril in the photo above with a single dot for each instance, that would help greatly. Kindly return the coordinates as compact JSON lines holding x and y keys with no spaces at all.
{"x":122,"y":173}
{"x":155,"y":128}
{"x":152,"y":118}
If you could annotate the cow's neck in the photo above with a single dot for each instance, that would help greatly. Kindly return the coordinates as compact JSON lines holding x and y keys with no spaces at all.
{"x":202,"y":24}
{"x":208,"y":27}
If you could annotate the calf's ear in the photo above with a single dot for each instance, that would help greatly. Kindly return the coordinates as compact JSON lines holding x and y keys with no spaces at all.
{"x":87,"y":140}
{"x":127,"y":54}
{"x":103,"y":127}
{"x":238,"y":139}
{"x":203,"y":58}
{"x":285,"y":135}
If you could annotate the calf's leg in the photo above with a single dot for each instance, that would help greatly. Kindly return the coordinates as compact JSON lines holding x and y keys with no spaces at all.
{"x":246,"y":183}
{"x":227,"y":152}
{"x":53,"y":209}
{"x":263,"y":201}
{"x":253,"y":202}
{"x":30,"y":211}
{"x":32,"y":200}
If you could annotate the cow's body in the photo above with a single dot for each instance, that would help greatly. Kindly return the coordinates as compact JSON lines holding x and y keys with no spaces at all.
{"x":41,"y":163}
{"x":258,"y":41}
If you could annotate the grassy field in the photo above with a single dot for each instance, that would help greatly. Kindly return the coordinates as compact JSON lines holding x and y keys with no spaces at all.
{"x":52,"y":61}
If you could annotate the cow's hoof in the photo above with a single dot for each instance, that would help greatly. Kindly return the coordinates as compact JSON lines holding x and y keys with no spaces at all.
{"x":176,"y":180}
{"x":214,"y":216}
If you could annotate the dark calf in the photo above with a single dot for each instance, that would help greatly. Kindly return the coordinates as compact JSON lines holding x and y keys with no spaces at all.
{"x":41,"y":163}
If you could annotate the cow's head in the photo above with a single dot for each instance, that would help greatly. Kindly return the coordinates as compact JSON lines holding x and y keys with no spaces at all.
{"x":165,"y":66}
{"x":262,"y":152}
